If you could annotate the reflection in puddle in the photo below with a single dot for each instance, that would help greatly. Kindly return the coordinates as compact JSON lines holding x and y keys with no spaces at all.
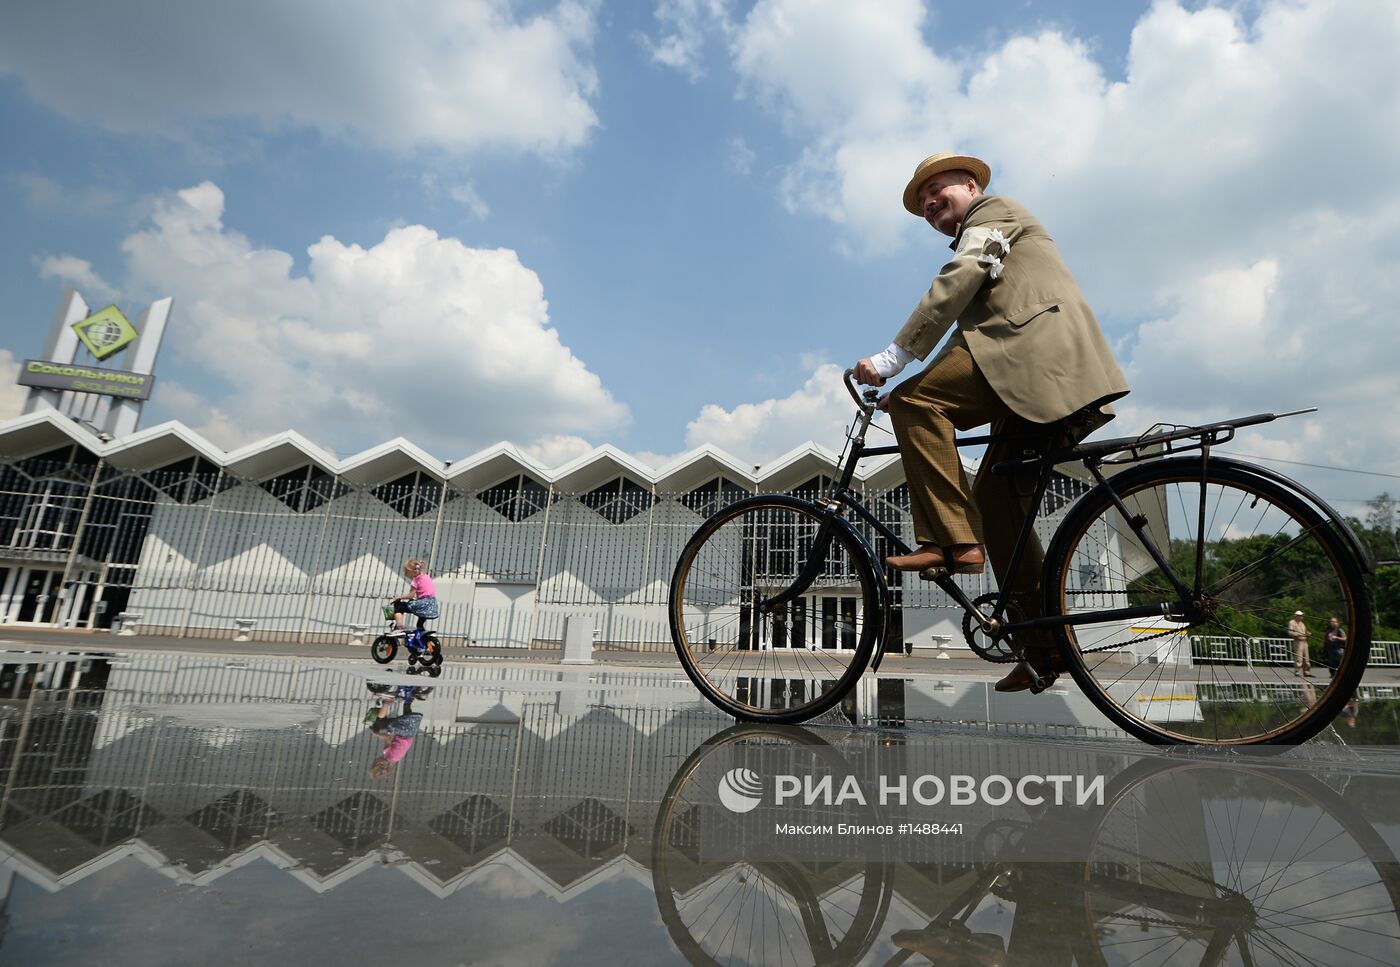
{"x":538,"y":816}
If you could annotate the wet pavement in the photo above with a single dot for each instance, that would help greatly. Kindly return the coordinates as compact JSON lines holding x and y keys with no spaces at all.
{"x":162,"y":807}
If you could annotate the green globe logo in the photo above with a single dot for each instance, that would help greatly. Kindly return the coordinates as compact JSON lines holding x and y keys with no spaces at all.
{"x":105,"y":332}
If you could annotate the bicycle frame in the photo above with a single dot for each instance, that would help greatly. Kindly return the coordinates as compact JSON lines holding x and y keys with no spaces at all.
{"x":413,"y":637}
{"x":1041,"y":455}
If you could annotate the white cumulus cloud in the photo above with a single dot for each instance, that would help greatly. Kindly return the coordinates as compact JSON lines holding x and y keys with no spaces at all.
{"x":79,"y":274}
{"x":455,"y":74}
{"x":684,"y":24}
{"x":12,"y":395}
{"x":1228,"y":205}
{"x":416,"y":336}
{"x":819,"y":410}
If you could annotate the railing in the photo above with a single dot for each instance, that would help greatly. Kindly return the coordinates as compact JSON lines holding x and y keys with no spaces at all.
{"x":1274,"y":651}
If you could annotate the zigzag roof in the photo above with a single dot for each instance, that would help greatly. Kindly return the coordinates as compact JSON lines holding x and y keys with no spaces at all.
{"x":162,"y":445}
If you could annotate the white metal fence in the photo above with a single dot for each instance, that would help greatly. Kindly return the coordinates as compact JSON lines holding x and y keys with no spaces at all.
{"x":1274,"y":651}
{"x":192,"y":549}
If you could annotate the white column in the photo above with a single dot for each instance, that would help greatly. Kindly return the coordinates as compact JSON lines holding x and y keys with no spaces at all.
{"x":121,"y":419}
{"x":60,"y":347}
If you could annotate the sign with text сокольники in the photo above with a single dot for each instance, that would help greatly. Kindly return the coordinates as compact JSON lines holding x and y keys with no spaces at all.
{"x":86,"y":379}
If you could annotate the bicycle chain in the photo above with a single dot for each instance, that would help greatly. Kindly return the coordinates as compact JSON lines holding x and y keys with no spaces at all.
{"x":1181,"y":870}
{"x":1119,"y":644}
{"x":970,"y":632}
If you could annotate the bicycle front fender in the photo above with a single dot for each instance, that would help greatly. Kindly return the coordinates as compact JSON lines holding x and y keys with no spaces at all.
{"x":831,"y":524}
{"x":814,"y":566}
{"x":882,"y":585}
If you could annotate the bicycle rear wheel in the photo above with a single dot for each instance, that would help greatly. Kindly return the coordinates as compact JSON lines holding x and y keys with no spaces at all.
{"x":432,"y":651}
{"x":1221,"y":670}
{"x":777,"y":665}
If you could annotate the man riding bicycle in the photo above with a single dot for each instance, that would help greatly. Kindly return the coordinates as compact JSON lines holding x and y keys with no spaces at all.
{"x":1026,"y":352}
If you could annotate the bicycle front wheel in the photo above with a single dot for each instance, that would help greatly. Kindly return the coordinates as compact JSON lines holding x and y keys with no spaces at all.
{"x":757,"y":661}
{"x":384,"y":649}
{"x":1219,"y":666}
{"x":772,"y":910}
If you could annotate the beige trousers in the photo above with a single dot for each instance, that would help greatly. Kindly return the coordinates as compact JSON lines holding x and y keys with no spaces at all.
{"x":952,"y":394}
{"x":1301,"y":658}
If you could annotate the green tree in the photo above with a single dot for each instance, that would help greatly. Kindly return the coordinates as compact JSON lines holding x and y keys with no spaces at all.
{"x":1379,"y":532}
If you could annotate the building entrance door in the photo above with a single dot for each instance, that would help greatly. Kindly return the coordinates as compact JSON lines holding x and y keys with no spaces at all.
{"x":818,"y":621}
{"x":38,"y":596}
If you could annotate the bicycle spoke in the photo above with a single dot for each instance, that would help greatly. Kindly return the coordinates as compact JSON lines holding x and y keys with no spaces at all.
{"x":1214,"y":671}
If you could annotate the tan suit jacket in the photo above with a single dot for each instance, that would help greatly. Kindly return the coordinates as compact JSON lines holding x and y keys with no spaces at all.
{"x":1029,"y":329}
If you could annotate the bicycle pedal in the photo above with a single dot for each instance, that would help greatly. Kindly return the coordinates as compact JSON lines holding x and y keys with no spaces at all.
{"x":933,"y":573}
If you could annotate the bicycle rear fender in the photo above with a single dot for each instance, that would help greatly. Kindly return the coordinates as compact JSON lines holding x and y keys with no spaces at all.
{"x":1363,"y":556}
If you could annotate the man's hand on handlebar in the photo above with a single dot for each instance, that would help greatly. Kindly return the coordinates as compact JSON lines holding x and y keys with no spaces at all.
{"x":866,"y":375}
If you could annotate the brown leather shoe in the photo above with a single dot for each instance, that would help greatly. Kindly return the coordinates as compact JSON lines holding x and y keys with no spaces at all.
{"x":933,"y":557}
{"x":1019,"y":678}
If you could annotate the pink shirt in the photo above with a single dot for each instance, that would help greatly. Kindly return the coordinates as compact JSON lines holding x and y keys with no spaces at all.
{"x":423,"y":586}
{"x":398,"y":748}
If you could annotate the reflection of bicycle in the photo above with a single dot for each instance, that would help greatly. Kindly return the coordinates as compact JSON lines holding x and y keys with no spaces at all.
{"x":1187,"y":864}
{"x":758,"y":912}
{"x":389,"y":694}
{"x":424,"y":649}
{"x":1184,"y":863}
{"x":1156,"y":587}
{"x":400,"y":693}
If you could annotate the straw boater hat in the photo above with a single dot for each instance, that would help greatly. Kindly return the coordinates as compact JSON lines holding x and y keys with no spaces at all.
{"x":937,"y":163}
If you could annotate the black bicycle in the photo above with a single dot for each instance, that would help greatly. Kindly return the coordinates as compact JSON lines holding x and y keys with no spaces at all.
{"x":1161,"y":587}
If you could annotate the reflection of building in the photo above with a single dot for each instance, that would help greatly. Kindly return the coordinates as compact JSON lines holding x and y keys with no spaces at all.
{"x":189,"y":767}
{"x":184,"y":538}
{"x":102,"y":761}
{"x":94,"y":775}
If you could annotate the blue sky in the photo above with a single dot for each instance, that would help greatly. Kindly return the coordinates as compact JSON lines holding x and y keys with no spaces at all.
{"x":659,"y":225}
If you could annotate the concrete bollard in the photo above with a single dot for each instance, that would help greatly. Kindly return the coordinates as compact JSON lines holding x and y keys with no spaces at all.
{"x":578,"y":641}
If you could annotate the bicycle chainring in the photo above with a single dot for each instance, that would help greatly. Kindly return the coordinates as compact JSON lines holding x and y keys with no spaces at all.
{"x":992,"y":647}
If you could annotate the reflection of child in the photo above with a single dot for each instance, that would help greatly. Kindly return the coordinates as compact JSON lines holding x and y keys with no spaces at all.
{"x":421,"y":599}
{"x":397,"y":732}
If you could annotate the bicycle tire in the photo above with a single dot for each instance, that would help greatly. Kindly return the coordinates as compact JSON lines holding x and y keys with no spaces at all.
{"x":1171,"y":682}
{"x":751,"y":550}
{"x":1158,"y":822}
{"x":780,"y":894}
{"x":384,"y":648}
{"x":432,"y":651}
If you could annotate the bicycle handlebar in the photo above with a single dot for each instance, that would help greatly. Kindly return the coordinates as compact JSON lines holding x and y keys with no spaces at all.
{"x":870,"y":396}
